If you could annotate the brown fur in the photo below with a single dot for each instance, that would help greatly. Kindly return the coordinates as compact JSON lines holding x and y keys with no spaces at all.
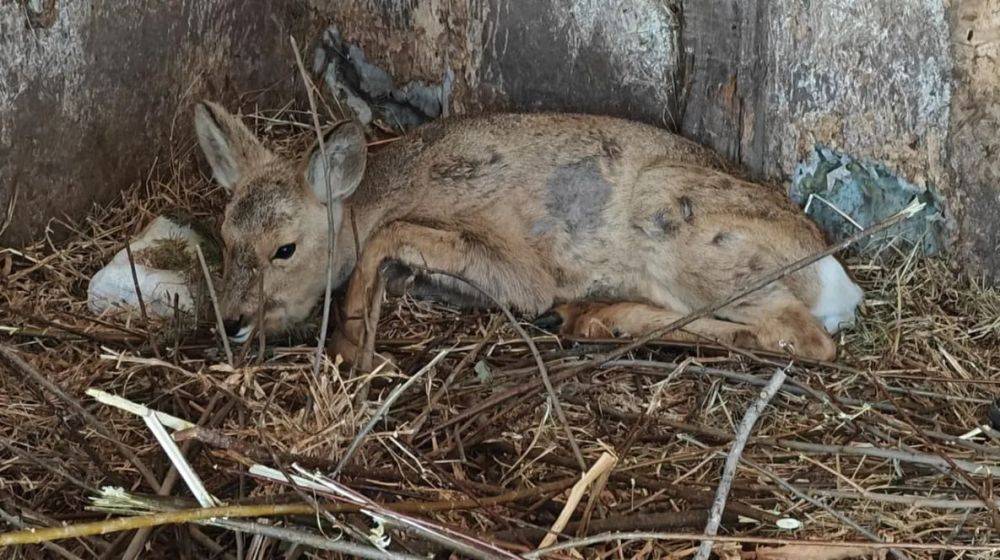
{"x":536,"y":210}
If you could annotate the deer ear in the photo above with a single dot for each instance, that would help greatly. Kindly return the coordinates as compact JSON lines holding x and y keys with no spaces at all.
{"x":337,"y":169}
{"x":229,"y":146}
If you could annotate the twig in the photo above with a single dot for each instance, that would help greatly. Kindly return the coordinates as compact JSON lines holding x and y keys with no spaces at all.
{"x":11,"y":357}
{"x":892,"y":454}
{"x":220,"y":327}
{"x":138,"y":295}
{"x":13,"y":521}
{"x":450,"y":538}
{"x":688,"y":518}
{"x":797,"y":389}
{"x":733,"y":460}
{"x":51,"y":466}
{"x":417,"y":423}
{"x":395,"y":394}
{"x":843,"y":518}
{"x":330,"y":233}
{"x":603,"y":465}
{"x":9,"y":215}
{"x":542,"y":370}
{"x":669,"y":488}
{"x":644,"y":535}
{"x":315,"y":541}
{"x":123,"y":404}
{"x":104,"y":527}
{"x":139,"y":540}
{"x":909,"y":500}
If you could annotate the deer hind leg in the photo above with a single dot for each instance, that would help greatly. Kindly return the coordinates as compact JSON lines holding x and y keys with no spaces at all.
{"x":783,"y":324}
{"x":606,"y":320}
{"x":513,"y":281}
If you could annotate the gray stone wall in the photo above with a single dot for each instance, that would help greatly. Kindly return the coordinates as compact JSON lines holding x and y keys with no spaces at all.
{"x":92,"y":91}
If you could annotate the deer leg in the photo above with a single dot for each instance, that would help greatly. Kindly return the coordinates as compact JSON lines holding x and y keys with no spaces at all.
{"x":783,"y":323}
{"x":607,"y":320}
{"x":512,"y":281}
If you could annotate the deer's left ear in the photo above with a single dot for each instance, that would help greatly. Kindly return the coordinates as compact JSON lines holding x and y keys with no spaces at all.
{"x":337,"y":171}
{"x":229,"y":146}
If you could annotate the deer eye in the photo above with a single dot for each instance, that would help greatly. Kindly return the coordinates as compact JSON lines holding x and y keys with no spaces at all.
{"x":285,"y":251}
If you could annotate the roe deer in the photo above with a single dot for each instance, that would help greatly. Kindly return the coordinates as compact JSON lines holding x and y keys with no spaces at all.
{"x":535,"y":209}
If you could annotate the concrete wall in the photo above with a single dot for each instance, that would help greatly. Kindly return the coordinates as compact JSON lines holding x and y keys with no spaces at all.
{"x":600,"y":56}
{"x":91,"y":91}
{"x":901,"y":83}
{"x":974,"y":130}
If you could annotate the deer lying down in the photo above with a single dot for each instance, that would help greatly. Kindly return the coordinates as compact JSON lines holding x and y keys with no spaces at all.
{"x":536,"y":210}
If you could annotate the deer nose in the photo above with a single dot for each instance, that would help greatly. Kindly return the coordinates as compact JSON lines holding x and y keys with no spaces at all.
{"x":232,"y":326}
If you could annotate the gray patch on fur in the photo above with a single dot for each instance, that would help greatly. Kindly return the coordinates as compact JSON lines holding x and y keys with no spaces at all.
{"x":577,"y":194}
{"x":543,"y":226}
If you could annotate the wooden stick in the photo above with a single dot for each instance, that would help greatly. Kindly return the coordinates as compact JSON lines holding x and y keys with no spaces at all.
{"x":820,"y":504}
{"x":219,"y":325}
{"x":382,"y":410}
{"x":331,"y":242}
{"x":10,"y":356}
{"x":542,"y":370}
{"x":39,"y":535}
{"x":138,"y":295}
{"x":603,"y":466}
{"x":673,"y":537}
{"x":13,"y":521}
{"x":733,"y":460}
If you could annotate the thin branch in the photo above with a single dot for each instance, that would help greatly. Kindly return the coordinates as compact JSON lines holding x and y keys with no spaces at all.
{"x":542,"y":370}
{"x":382,"y":410}
{"x":905,"y":499}
{"x":687,"y":537}
{"x":10,"y":356}
{"x":315,"y":541}
{"x":330,"y":233}
{"x":13,"y":521}
{"x":139,"y":540}
{"x":765,"y":281}
{"x":892,"y":454}
{"x":733,"y":460}
{"x":38,"y":535}
{"x":843,"y":518}
{"x":138,"y":295}
{"x":417,"y":423}
{"x":603,"y":466}
{"x":220,"y":327}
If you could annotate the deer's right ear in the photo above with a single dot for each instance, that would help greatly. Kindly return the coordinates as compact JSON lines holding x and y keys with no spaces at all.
{"x":228,"y":144}
{"x":336,"y":169}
